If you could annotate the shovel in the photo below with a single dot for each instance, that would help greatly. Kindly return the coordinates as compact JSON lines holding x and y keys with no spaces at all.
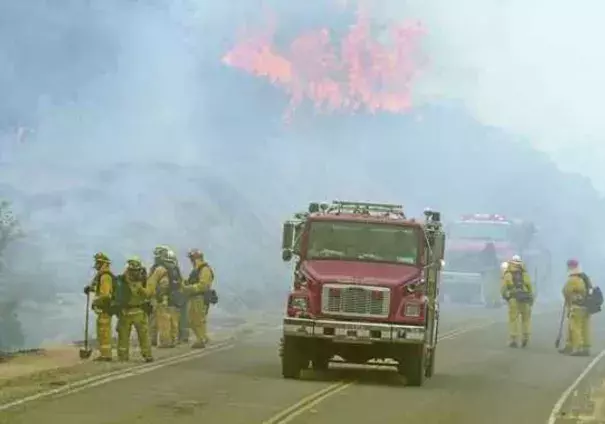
{"x":560,"y":335}
{"x":86,"y":352}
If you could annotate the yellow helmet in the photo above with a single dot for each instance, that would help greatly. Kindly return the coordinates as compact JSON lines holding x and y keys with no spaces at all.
{"x":101,"y":257}
{"x":134,"y":263}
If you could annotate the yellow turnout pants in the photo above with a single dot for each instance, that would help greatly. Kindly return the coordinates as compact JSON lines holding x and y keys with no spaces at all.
{"x":578,"y":329}
{"x":104,"y":334}
{"x":167,"y":319}
{"x":519,"y":312}
{"x":137,"y":318}
{"x":197,"y":313}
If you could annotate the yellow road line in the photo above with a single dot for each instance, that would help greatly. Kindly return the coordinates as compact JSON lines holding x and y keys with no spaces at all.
{"x":308,"y":402}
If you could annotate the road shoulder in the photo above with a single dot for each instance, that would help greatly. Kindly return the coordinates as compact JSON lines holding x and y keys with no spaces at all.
{"x":58,"y":366}
{"x":584,"y":402}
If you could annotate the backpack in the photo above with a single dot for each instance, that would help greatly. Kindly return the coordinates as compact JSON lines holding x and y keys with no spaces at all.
{"x":120,"y":293}
{"x":175,"y":297}
{"x":594,"y":298}
{"x":520,"y":294}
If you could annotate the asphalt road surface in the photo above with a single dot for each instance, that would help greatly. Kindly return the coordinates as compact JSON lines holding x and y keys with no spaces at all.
{"x":478,"y":380}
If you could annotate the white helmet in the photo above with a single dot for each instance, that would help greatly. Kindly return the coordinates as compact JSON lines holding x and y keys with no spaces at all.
{"x":516,"y":259}
{"x":171,"y":256}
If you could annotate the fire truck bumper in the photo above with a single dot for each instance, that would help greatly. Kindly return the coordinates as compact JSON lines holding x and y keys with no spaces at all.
{"x":354,"y":332}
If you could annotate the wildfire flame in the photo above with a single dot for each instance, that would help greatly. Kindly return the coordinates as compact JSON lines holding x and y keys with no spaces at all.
{"x":354,"y":73}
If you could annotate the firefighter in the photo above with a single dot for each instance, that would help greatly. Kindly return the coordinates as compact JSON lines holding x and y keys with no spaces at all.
{"x":133,"y":308}
{"x":102,"y":287}
{"x":153,"y":310}
{"x":198,"y":289}
{"x":164,"y":284}
{"x":182,"y":302}
{"x":575,"y":292}
{"x":518,"y":292}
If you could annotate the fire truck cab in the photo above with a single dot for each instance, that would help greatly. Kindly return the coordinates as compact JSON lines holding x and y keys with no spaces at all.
{"x":365,"y":288}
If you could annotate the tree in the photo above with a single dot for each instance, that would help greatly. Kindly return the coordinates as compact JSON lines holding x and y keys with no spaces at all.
{"x":10,"y":229}
{"x":11,"y":332}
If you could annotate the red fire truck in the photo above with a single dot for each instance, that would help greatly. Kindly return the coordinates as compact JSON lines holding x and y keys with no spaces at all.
{"x":469,"y":276}
{"x":365,"y":288}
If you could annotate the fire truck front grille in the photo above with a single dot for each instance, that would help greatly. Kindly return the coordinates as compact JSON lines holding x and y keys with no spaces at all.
{"x":355,"y":301}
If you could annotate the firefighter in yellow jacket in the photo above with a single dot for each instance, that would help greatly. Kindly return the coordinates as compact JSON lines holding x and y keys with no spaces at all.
{"x":133,"y":307}
{"x":575,"y":293}
{"x":198,"y":289}
{"x":164,"y":284}
{"x":517,"y":291}
{"x":102,"y":287}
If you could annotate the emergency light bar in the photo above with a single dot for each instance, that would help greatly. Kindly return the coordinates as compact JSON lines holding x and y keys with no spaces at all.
{"x":368,"y":208}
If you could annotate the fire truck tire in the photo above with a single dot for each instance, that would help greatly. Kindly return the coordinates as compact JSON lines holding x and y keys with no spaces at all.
{"x":292,"y":358}
{"x":430,"y":366}
{"x":320,"y":362}
{"x":413,"y":366}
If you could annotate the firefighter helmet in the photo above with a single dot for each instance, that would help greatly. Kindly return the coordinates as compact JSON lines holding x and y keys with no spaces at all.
{"x":195,"y":254}
{"x":101,"y":257}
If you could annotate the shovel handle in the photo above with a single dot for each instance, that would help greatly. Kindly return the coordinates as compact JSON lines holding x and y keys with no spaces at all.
{"x":560,"y":334}
{"x":86,"y":321}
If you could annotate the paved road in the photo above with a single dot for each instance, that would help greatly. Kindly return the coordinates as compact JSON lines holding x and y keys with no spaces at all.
{"x":479,"y":380}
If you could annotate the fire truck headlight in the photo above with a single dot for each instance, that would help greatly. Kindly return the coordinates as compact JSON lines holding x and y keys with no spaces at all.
{"x":412,"y":310}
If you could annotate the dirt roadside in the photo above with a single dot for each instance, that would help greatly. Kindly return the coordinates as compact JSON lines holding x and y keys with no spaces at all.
{"x":56,"y":366}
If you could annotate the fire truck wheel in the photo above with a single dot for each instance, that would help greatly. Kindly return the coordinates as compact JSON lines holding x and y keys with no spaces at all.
{"x":430,"y":366}
{"x":292,"y":359}
{"x":413,"y":365}
{"x":320,"y":362}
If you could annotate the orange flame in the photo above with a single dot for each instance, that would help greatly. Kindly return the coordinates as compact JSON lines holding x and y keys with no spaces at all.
{"x":361,"y":74}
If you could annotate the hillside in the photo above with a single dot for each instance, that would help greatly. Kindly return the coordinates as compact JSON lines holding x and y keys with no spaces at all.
{"x":144,"y":138}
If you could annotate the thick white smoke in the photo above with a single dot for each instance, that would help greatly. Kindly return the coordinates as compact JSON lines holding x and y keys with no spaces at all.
{"x":142,"y":137}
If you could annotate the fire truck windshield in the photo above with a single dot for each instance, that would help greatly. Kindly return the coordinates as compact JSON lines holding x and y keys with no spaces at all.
{"x":494,"y":231}
{"x":362,"y":241}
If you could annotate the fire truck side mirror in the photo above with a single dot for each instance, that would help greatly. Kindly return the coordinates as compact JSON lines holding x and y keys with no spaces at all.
{"x":290,"y":240}
{"x":287,"y":240}
{"x":286,"y":255}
